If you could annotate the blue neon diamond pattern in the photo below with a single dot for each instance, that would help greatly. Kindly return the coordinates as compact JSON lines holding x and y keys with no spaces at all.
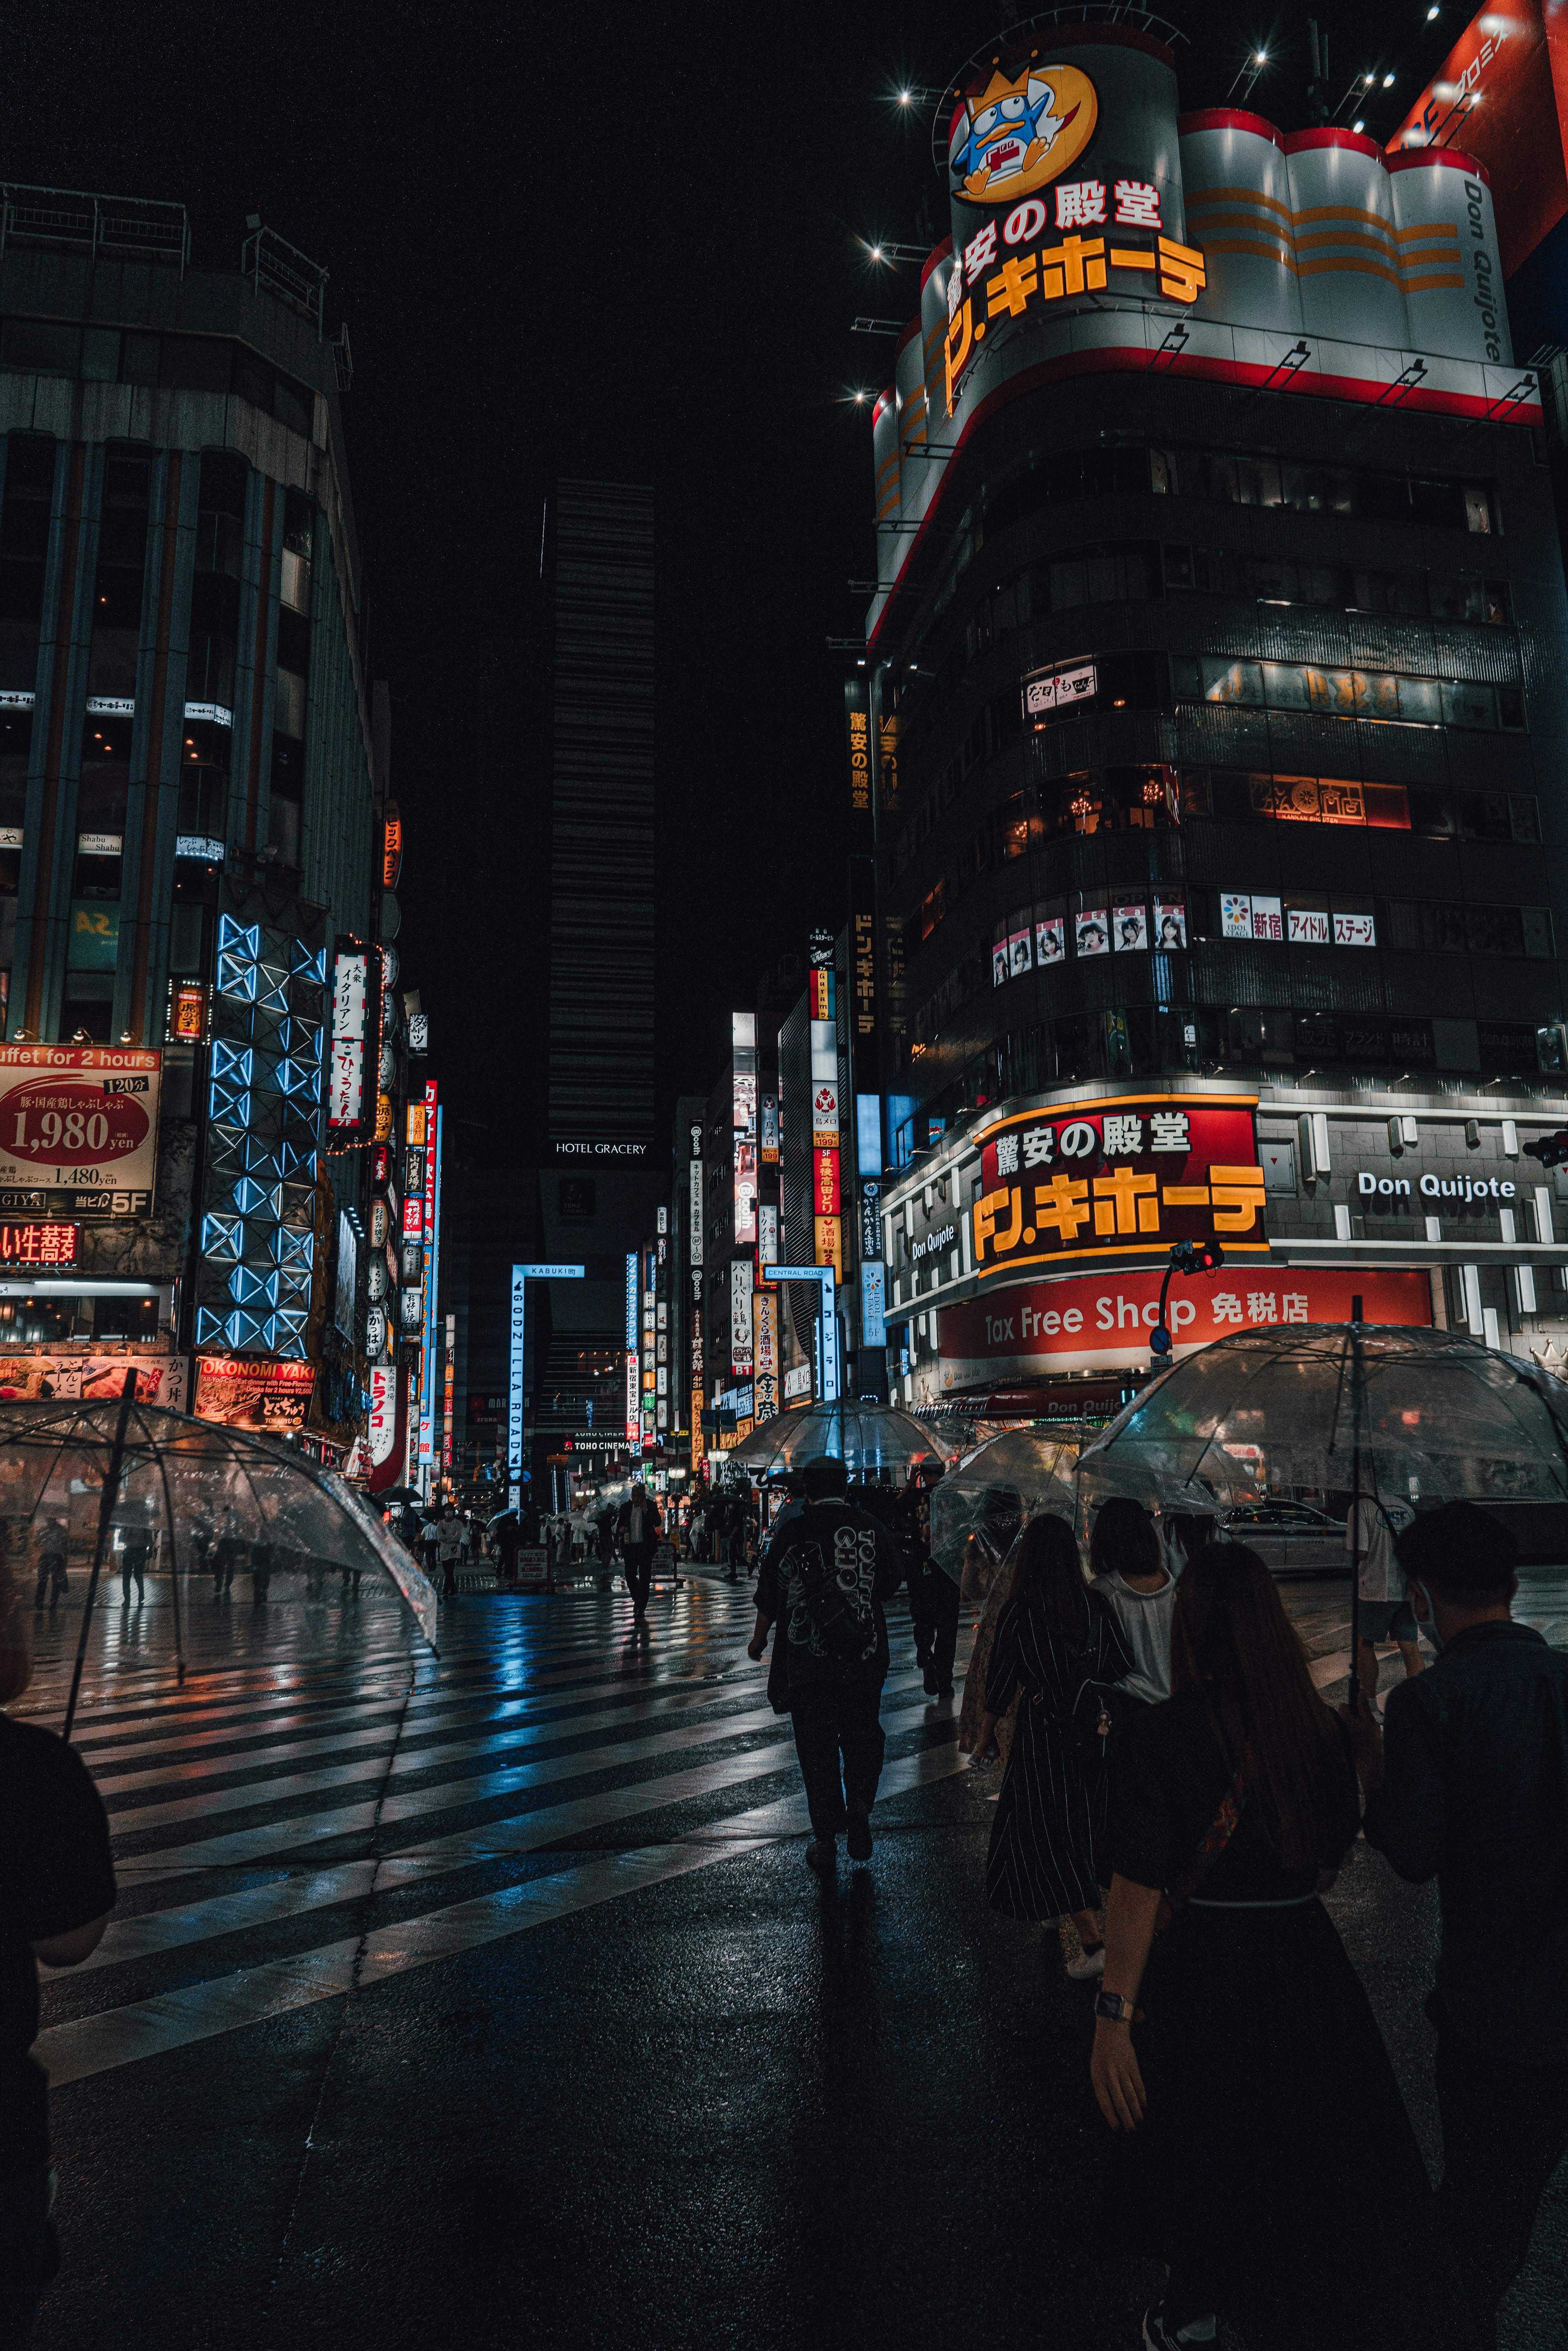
{"x":264,"y":1107}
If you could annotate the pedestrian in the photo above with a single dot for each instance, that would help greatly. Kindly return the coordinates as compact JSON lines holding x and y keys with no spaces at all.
{"x":507,"y":1537}
{"x":1384,"y":1611}
{"x":52,"y":1558}
{"x":1470,"y":1786}
{"x":132,"y":1564}
{"x":448,"y":1548}
{"x":1055,"y":1639}
{"x":1272,"y":2164}
{"x":1130,"y":1576}
{"x":988,"y":1582}
{"x":429,"y":1546}
{"x":934,"y":1602}
{"x":56,"y":1889}
{"x":638,"y":1526}
{"x":225,"y":1555}
{"x":823,"y":1580}
{"x":261,"y":1562}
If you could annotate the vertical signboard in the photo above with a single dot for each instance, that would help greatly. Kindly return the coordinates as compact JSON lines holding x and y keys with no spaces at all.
{"x":350,"y":1015}
{"x":743,"y":1033}
{"x":740,"y":1317}
{"x":694,"y":1213}
{"x":633,"y":1383}
{"x":428,"y":1255}
{"x":517,"y":1363}
{"x":827,"y":1224}
{"x":765,"y":1354}
{"x":857,"y":725}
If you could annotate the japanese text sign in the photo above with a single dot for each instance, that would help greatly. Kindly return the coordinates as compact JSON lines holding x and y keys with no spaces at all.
{"x":1120,"y":1178}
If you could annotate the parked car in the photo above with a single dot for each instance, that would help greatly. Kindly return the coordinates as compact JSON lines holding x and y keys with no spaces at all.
{"x":1290,"y":1537}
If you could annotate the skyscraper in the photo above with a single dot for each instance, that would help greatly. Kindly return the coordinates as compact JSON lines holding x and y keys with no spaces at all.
{"x":599,"y":543}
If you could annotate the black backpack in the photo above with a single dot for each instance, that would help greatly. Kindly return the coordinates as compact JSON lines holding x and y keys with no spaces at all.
{"x":841,"y":1616}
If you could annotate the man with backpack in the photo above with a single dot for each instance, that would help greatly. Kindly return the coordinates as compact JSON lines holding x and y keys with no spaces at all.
{"x":823,"y":1580}
{"x":1385,"y":1612}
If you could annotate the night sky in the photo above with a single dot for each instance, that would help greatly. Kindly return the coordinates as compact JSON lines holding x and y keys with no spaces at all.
{"x":622,"y":243}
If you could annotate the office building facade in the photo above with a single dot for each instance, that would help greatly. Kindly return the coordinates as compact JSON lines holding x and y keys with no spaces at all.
{"x":188,"y":813}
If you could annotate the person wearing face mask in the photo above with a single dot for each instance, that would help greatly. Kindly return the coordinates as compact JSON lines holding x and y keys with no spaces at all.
{"x":1469,"y":1785}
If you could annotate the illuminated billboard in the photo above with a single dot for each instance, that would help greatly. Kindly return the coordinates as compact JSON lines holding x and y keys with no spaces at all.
{"x":78,"y":1115}
{"x":1117,"y":1180}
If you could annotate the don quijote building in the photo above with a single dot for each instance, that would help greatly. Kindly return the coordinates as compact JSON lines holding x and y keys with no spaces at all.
{"x":1216,"y":675}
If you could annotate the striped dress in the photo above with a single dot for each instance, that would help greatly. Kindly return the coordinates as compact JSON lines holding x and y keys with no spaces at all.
{"x":1048,"y":1842}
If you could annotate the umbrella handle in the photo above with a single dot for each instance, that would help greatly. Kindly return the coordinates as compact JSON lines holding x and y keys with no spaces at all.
{"x":105,"y":1519}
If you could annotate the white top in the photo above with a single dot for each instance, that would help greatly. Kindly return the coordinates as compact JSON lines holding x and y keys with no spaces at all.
{"x":1381,"y":1576}
{"x":1145,"y":1620}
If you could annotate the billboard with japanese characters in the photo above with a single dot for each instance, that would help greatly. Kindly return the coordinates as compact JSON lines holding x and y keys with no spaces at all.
{"x":1118,"y":1180}
{"x":1098,"y":1321}
{"x":1065,"y":185}
{"x":79,"y":1116}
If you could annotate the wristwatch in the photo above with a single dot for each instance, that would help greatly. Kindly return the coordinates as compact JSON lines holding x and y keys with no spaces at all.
{"x":1116,"y":2006}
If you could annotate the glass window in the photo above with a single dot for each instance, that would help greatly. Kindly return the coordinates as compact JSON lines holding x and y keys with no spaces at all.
{"x":1231,"y":681}
{"x":1177,"y":564}
{"x":1470,"y":706}
{"x":40,"y":346}
{"x":138,"y":359}
{"x":1510,"y":707}
{"x":1496,"y":930}
{"x":1420,"y":701}
{"x":1478,"y":508}
{"x":1537,"y":925}
{"x":195,"y":363}
{"x":1162,"y":473}
{"x":1524,"y":816}
{"x":288,"y":705}
{"x":1257,"y":482}
{"x":100,"y":354}
{"x":292,"y":405}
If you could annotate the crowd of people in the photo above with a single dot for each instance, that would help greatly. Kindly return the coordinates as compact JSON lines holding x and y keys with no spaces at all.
{"x":1176,"y":1798}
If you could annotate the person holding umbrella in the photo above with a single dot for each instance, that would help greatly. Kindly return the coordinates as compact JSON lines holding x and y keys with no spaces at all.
{"x":57,"y":1890}
{"x":1265,"y":2154}
{"x":1372,"y":1528}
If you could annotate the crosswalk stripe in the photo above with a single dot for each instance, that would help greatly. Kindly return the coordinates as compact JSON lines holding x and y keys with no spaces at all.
{"x":222,"y":1914}
{"x":92,"y":2044}
{"x":273,"y":1839}
{"x":522,"y":1719}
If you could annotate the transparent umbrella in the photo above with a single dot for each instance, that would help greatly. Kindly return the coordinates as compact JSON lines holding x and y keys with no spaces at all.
{"x":867,"y":1437}
{"x":1017,"y":1476}
{"x":1395,"y":1412}
{"x":1298,"y":1405}
{"x":190,"y":1493}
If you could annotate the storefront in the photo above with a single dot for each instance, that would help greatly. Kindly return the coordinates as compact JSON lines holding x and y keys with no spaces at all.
{"x":1026,"y":1253}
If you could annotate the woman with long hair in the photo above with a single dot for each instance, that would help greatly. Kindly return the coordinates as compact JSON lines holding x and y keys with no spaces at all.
{"x":1270,"y":2165}
{"x":1054,"y":1636}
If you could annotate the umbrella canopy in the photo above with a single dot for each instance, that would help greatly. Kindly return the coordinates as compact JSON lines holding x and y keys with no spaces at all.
{"x":1431,"y":1413}
{"x":191,"y":1483}
{"x":1017,"y":1476}
{"x":867,"y":1437}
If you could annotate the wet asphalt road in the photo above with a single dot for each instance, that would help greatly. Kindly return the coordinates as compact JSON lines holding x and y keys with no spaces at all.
{"x":487,"y":2001}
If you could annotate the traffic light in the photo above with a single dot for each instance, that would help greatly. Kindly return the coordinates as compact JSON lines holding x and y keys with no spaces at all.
{"x":1197,"y":1257}
{"x":1551,"y":1150}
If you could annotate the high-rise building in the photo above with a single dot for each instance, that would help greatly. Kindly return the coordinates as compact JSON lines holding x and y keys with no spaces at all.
{"x":1216,"y":669}
{"x":599,"y":553}
{"x":188,"y":811}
